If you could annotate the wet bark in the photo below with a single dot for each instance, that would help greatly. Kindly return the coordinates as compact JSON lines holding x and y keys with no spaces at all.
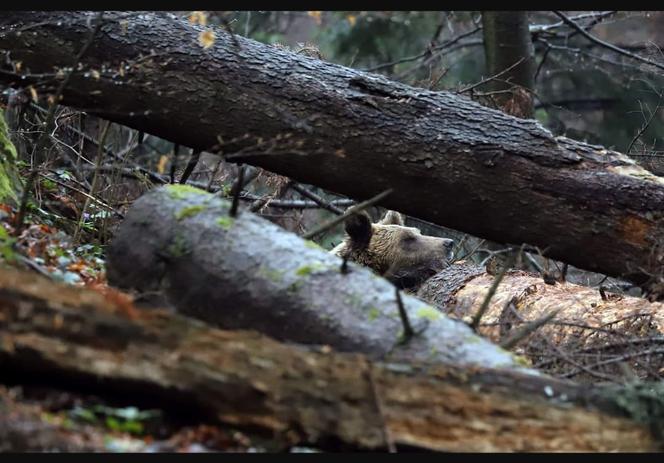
{"x":450,"y":160}
{"x":594,"y":334}
{"x":80,"y":338}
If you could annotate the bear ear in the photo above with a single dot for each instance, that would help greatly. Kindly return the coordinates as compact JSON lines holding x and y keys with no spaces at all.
{"x":392,"y":218}
{"x":358,"y":228}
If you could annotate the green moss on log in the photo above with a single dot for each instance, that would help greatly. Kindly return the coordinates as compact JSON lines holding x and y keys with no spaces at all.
{"x":189,"y":211}
{"x":309,"y":269}
{"x":311,"y":245}
{"x":428,"y":313}
{"x":225,"y":222}
{"x":10,"y":182}
{"x":183,"y":191}
{"x":178,"y":247}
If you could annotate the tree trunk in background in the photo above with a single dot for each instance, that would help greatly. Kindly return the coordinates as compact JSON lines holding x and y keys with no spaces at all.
{"x":75,"y":337}
{"x":506,"y":41}
{"x":449,"y":160}
{"x":589,"y":338}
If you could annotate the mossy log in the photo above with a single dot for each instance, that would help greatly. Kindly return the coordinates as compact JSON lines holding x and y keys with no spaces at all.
{"x":593,"y":335}
{"x":10,"y":181}
{"x":180,"y":244}
{"x":75,"y":337}
{"x":450,"y":160}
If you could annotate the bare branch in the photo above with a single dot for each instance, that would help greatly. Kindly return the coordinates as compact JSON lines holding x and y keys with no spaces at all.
{"x":489,"y":79}
{"x":352,"y":210}
{"x":607,"y":45}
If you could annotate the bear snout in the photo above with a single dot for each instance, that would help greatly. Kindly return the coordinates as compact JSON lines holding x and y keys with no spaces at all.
{"x":448,"y":244}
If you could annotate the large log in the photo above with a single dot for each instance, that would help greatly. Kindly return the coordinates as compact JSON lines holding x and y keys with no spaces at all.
{"x":451,"y":161}
{"x":591,"y":336}
{"x":78,"y":338}
{"x":247,"y":273}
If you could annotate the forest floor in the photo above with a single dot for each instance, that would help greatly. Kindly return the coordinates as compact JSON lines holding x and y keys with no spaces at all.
{"x":36,"y":416}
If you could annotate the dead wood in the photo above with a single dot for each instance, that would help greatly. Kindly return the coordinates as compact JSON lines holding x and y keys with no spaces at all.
{"x":593,"y":336}
{"x":82,"y":338}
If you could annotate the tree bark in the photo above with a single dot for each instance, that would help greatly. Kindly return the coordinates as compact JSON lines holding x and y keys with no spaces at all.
{"x":450,"y":160}
{"x":591,"y":336}
{"x":246,"y":273}
{"x":507,"y":42}
{"x":80,"y":338}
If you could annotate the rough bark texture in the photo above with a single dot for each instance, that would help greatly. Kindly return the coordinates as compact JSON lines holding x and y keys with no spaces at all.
{"x":590,"y":337}
{"x":506,"y":41}
{"x":77,"y":337}
{"x":247,"y":273}
{"x":450,"y":160}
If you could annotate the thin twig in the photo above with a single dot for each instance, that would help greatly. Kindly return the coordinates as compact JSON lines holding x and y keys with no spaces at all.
{"x":294,"y":203}
{"x":471,"y":252}
{"x":425,"y":53}
{"x":214,"y":174}
{"x":489,"y":79}
{"x":537,"y":28}
{"x":95,"y":179}
{"x":267,"y":200}
{"x":174,"y":163}
{"x":621,"y":358}
{"x":236,"y":193}
{"x":527,"y":329}
{"x":604,"y":44}
{"x":350,"y":211}
{"x":407,"y":328}
{"x":317,"y":199}
{"x":644,"y":127}
{"x":492,"y":290}
{"x":534,"y":263}
{"x":542,"y":61}
{"x":191,"y":165}
{"x":563,"y":272}
{"x":87,"y":195}
{"x":227,"y":27}
{"x":344,"y":264}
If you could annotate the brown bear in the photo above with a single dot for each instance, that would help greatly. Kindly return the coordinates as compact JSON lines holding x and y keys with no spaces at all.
{"x":399,"y":253}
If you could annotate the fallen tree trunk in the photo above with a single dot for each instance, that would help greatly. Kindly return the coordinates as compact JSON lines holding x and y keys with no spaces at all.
{"x":590,"y":337}
{"x":79,"y":338}
{"x":247,"y":273}
{"x":451,"y":161}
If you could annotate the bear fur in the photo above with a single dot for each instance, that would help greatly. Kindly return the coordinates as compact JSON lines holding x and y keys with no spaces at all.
{"x":399,"y":253}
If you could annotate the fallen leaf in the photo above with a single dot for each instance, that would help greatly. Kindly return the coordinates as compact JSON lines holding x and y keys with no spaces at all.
{"x":317,"y":15}
{"x":198,"y":17}
{"x":206,"y":38}
{"x":161,"y":166}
